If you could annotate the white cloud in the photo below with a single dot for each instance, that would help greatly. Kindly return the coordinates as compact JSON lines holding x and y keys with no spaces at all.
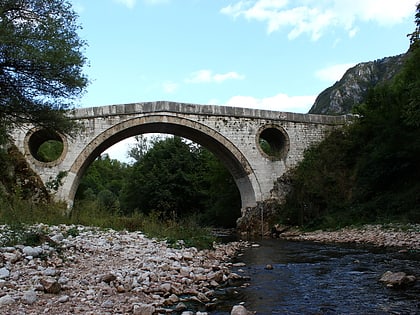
{"x":207,"y":76}
{"x":315,"y":17}
{"x":156,"y":2}
{"x":170,"y":87}
{"x":119,"y":151}
{"x":128,"y":3}
{"x":333,"y":73}
{"x":279,"y":102}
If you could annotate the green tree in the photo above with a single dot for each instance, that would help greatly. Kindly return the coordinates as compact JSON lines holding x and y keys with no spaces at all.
{"x":177,"y":178}
{"x":104,"y":174}
{"x":370,"y":170}
{"x":41,"y":61}
{"x":164,"y":180}
{"x":223,"y":201}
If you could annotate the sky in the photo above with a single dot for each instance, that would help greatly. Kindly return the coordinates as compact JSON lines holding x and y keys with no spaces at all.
{"x":268,"y":54}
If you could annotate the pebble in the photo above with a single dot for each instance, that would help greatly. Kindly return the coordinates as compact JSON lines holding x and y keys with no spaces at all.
{"x":63,"y":299}
{"x":4,"y":273}
{"x":32,"y":251}
{"x":239,"y":310}
{"x":29,"y":297}
{"x":108,"y":304}
{"x":6,"y":300}
{"x":107,"y":271}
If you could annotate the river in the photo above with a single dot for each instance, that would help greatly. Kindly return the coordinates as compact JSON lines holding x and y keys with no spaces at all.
{"x":313,"y":278}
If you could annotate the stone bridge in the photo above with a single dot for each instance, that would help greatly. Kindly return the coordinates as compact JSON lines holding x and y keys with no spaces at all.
{"x":256,"y":146}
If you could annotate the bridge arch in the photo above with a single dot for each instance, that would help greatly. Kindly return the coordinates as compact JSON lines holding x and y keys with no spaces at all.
{"x":232,"y":158}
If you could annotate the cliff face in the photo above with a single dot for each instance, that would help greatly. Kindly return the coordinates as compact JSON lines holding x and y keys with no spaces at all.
{"x":354,"y":85}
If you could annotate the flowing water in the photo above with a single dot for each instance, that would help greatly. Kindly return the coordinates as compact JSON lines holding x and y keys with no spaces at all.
{"x":311,"y":278}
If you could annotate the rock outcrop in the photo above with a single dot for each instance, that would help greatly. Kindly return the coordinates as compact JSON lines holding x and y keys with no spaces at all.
{"x":354,"y":85}
{"x":259,"y":220}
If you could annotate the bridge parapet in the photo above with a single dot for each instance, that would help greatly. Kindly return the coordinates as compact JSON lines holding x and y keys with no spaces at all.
{"x":197,"y":109}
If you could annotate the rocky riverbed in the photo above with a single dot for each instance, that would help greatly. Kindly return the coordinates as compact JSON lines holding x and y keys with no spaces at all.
{"x":81,"y":270}
{"x":394,"y":235}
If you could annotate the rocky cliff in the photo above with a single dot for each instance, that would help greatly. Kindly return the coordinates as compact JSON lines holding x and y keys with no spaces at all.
{"x":353,"y":86}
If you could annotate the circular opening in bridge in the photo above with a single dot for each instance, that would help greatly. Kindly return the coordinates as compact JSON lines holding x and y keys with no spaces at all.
{"x":46,"y":146}
{"x":273,"y":142}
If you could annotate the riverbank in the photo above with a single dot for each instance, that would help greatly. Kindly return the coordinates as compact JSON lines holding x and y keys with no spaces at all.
{"x":82,"y":270}
{"x":392,"y":235}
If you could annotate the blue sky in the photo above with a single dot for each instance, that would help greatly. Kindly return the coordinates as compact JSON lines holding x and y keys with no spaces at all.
{"x":269,"y":54}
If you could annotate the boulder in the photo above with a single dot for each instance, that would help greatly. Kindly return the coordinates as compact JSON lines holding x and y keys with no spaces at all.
{"x":6,"y":300}
{"x":29,"y":297}
{"x":32,"y":251}
{"x":107,"y":278}
{"x":143,"y":309}
{"x":239,"y":310}
{"x":4,"y":273}
{"x":397,"y":279}
{"x":51,"y":286}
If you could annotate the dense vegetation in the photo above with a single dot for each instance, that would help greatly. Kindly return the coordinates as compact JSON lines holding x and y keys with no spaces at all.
{"x":41,"y":63}
{"x":41,"y":74}
{"x":369,"y":171}
{"x":171,"y":178}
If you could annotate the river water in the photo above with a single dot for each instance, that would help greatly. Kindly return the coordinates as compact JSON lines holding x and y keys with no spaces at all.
{"x":312,"y":278}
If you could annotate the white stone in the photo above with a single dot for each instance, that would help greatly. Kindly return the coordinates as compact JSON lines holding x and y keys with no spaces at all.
{"x":32,"y":251}
{"x":12,"y":257}
{"x":6,"y":300}
{"x":166,"y":287}
{"x":4,"y":273}
{"x":29,"y":297}
{"x":50,"y":272}
{"x":108,"y":304}
{"x":239,"y":310}
{"x":57,"y":238}
{"x":143,"y":309}
{"x":63,"y":299}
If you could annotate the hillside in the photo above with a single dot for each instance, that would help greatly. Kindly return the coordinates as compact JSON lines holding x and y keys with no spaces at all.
{"x":353,"y":86}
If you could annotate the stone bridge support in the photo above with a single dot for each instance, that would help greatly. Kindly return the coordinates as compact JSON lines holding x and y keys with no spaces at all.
{"x":256,"y":146}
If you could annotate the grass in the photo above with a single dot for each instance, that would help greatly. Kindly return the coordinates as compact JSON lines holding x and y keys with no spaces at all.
{"x":18,"y":214}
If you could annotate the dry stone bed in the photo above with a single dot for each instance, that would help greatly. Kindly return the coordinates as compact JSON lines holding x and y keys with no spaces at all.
{"x":91,"y":271}
{"x":404,"y":237}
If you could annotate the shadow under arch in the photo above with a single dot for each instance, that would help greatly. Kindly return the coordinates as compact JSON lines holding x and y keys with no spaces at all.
{"x":231,"y":157}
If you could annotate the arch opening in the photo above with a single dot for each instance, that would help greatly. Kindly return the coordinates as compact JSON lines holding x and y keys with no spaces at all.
{"x":173,"y":177}
{"x":273,"y":142}
{"x":225,"y":151}
{"x":45,"y":146}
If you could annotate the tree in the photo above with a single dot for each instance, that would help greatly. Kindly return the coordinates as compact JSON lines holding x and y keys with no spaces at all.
{"x":177,"y":178}
{"x":41,"y":61}
{"x":104,"y":174}
{"x":164,"y":180}
{"x":370,"y":170}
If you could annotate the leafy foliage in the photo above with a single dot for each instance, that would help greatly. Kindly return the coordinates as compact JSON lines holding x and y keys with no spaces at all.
{"x":104,"y":179}
{"x":368,"y":171}
{"x":177,"y":179}
{"x":41,"y":63}
{"x":171,"y":177}
{"x":50,"y":151}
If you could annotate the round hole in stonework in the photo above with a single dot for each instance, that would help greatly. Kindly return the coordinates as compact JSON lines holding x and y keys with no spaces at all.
{"x":273,"y":142}
{"x":46,"y":146}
